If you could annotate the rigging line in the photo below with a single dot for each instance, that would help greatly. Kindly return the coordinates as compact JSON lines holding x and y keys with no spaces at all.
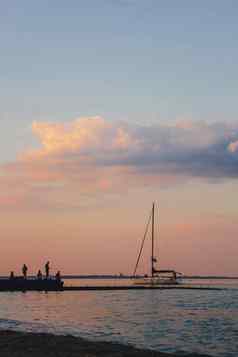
{"x":152,"y":239}
{"x":142,"y":244}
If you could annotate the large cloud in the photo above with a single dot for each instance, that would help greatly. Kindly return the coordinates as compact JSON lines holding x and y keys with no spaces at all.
{"x":182,"y":148}
{"x":91,"y":155}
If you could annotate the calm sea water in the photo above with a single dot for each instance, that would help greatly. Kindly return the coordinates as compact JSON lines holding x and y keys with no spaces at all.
{"x":165,"y":320}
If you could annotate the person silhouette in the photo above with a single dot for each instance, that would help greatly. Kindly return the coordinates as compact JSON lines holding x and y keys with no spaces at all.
{"x":39,"y":275}
{"x":58,"y":276}
{"x":47,"y":269}
{"x":24,"y":271}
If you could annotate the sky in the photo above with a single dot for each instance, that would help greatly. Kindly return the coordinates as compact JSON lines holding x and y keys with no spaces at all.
{"x":106,"y":107}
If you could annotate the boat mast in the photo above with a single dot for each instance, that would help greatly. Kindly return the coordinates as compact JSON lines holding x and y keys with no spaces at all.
{"x":152,"y":239}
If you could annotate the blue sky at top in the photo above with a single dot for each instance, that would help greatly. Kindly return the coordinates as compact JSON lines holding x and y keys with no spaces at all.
{"x":139,"y":60}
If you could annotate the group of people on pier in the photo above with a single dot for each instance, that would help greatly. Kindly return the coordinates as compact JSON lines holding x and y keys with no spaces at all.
{"x":39,"y":274}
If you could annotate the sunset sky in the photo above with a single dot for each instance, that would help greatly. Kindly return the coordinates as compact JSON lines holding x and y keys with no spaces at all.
{"x":107,"y":106}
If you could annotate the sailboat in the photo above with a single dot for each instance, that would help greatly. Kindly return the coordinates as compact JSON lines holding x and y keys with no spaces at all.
{"x":157,"y":277}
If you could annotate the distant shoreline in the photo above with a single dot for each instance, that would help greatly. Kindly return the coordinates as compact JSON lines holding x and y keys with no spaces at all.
{"x":141,"y":276}
{"x":13,"y":343}
{"x":117,"y":276}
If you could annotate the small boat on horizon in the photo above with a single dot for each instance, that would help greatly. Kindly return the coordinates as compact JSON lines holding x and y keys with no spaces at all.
{"x":157,"y":277}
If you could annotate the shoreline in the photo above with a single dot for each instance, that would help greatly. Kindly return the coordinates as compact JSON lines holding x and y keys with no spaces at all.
{"x":27,"y":344}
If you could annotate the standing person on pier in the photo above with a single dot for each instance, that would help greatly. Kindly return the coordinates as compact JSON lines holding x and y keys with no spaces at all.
{"x":58,"y":276}
{"x":39,"y":275}
{"x":47,"y":270}
{"x":24,"y":271}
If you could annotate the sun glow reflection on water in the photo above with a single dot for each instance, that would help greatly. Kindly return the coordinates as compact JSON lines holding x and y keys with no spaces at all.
{"x":166,"y":320}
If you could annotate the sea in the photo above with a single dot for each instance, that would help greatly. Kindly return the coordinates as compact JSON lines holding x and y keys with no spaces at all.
{"x":181,"y":321}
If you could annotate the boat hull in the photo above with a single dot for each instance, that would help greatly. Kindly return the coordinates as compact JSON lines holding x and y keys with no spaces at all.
{"x":156,"y":281}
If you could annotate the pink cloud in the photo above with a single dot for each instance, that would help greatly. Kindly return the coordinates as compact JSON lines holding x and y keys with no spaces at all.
{"x":9,"y":201}
{"x":96,"y":156}
{"x":233,"y":146}
{"x":78,"y":136}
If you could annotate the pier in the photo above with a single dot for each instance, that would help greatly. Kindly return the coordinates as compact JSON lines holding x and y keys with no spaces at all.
{"x":140,"y":287}
{"x":21,"y":284}
{"x":51,"y":284}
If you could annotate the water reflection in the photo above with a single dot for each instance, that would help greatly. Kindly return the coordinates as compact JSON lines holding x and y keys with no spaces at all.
{"x":168,"y":320}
